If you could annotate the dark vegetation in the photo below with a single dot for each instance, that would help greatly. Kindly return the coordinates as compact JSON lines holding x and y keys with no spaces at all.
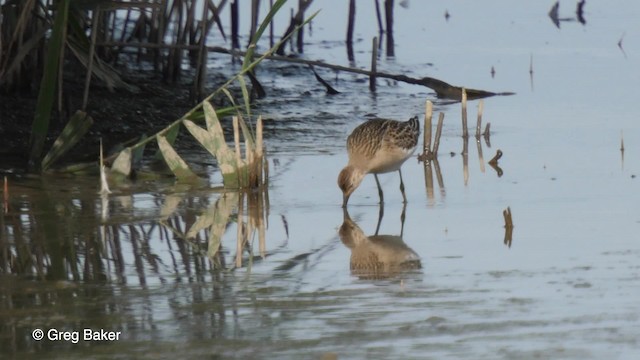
{"x":132,"y":68}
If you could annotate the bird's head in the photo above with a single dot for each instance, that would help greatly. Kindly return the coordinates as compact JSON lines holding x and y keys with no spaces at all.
{"x":348,"y":181}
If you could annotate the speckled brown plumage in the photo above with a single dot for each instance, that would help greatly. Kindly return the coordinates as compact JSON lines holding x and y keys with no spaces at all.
{"x":375,"y":147}
{"x":379,"y":134}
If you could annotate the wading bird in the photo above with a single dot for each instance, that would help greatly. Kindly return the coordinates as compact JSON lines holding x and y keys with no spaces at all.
{"x":375,"y":147}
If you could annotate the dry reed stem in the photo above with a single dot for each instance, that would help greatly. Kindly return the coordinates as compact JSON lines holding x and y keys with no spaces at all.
{"x":428,"y":115}
{"x":508,"y":219}
{"x":239,"y":232}
{"x":5,"y":195}
{"x":465,"y":130}
{"x":380,"y":28}
{"x":350,"y":25}
{"x":388,"y":12}
{"x":374,"y":63}
{"x":465,"y":160}
{"x":436,"y":142}
{"x":480,"y":156}
{"x":95,"y":21}
{"x":428,"y":181}
{"x":479,"y":123}
{"x":236,"y":140}
{"x":508,"y":227}
{"x":262,"y":237}
{"x":259,"y":151}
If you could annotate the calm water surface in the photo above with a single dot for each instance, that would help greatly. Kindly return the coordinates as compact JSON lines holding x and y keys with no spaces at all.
{"x":565,"y":286}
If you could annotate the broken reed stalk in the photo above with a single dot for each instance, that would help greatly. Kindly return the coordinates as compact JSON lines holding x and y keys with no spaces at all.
{"x":621,"y":141}
{"x":487,"y":131}
{"x":380,"y":28}
{"x":350,"y":24}
{"x":465,"y":160}
{"x":271,"y":26}
{"x":427,"y":128}
{"x":92,"y":48}
{"x":465,"y":130}
{"x":374,"y":60}
{"x":259,"y":161}
{"x":479,"y":123}
{"x":5,"y":195}
{"x":235,"y":43}
{"x":201,"y":67}
{"x":239,"y":230}
{"x":436,"y":142}
{"x":255,"y":8}
{"x":508,"y":219}
{"x":236,"y":141}
{"x":300,"y":36}
{"x":388,"y":9}
{"x":480,"y":155}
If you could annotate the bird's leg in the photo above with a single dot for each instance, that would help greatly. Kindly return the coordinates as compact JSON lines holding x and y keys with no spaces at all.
{"x":404,"y":197}
{"x":402,"y":217}
{"x":380,"y":215}
{"x":379,"y":189}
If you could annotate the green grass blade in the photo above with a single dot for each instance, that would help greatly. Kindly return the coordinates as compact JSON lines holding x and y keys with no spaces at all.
{"x":40,"y":125}
{"x":75,"y":129}
{"x":263,"y":26}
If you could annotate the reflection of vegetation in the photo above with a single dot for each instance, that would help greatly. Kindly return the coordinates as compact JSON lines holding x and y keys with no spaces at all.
{"x":508,"y":226}
{"x":71,"y":245}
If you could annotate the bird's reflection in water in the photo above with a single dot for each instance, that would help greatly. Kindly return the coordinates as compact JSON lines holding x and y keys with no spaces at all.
{"x":376,"y":256}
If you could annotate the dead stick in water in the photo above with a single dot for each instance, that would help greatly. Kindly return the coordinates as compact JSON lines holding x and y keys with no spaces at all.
{"x":442,"y":89}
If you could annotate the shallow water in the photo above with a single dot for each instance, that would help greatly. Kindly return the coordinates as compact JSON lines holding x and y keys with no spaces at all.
{"x":566,"y":286}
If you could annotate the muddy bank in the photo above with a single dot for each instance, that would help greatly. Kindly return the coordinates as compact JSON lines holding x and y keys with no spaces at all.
{"x":118,"y":116}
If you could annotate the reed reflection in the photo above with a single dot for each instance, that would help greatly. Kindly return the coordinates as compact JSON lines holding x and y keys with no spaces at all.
{"x":71,"y":260}
{"x":376,"y":256}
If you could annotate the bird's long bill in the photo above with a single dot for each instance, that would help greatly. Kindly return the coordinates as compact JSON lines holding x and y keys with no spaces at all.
{"x":345,"y":200}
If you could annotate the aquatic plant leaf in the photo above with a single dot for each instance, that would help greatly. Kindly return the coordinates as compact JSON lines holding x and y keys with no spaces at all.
{"x":137,"y":153}
{"x":75,"y":129}
{"x":31,"y":44}
{"x":170,"y":134}
{"x":225,"y":157}
{"x":170,"y":205}
{"x":122,"y":163}
{"x":175,"y":163}
{"x":205,"y":138}
{"x":245,"y":129}
{"x":101,"y":70}
{"x":245,"y":95}
{"x":223,"y":209}
{"x":40,"y":125}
